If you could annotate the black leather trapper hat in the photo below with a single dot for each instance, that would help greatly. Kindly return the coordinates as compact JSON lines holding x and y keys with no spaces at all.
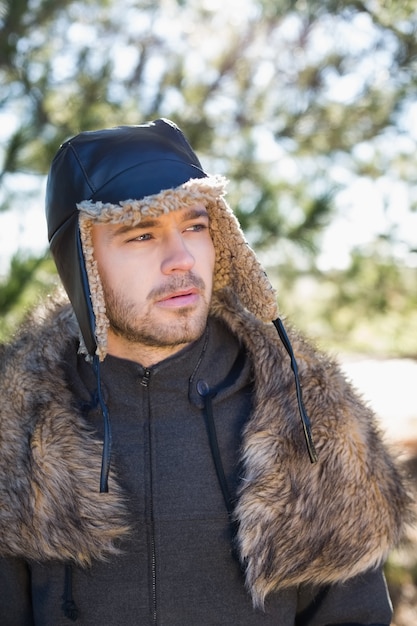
{"x":109,"y":166}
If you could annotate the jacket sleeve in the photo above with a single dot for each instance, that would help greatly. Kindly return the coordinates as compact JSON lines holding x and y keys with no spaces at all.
{"x":360,"y":601}
{"x":15,"y":593}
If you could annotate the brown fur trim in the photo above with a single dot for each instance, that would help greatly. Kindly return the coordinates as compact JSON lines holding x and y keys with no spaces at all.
{"x":50,"y":505}
{"x":301,"y":522}
{"x":96,"y":287}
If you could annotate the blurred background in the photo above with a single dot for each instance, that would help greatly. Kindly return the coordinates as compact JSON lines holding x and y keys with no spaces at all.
{"x":308,"y":107}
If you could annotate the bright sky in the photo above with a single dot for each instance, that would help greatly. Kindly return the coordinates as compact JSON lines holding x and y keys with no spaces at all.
{"x":25,"y":231}
{"x":368,"y":208}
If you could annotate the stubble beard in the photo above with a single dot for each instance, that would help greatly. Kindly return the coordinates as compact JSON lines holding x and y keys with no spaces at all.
{"x":186,"y":324}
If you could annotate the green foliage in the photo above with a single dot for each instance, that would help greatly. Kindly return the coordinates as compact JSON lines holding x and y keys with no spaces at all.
{"x":29,"y":279}
{"x":290,"y":99}
{"x":260,"y":88}
{"x":369,"y":308}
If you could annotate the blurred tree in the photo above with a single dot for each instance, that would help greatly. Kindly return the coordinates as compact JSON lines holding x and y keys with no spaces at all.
{"x":289,"y":99}
{"x":28,"y":280}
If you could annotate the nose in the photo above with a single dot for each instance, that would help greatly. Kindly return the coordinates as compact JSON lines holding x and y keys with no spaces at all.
{"x":176,"y":255}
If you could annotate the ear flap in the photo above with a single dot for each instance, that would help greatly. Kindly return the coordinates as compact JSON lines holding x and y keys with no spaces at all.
{"x":237,"y":266}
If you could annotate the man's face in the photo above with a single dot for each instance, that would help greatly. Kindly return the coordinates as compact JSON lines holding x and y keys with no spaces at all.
{"x":157,"y":279}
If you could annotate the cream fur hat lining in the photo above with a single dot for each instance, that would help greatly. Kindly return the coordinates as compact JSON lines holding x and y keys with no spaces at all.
{"x":236,"y":265}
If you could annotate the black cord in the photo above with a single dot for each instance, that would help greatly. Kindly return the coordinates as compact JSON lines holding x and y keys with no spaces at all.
{"x":303,"y":413}
{"x":107,"y":439}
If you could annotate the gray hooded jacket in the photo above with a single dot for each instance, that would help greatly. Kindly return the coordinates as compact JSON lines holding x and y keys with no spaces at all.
{"x":157,"y":548}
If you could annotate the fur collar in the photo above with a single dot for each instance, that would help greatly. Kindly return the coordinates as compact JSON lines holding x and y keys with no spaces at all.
{"x":301,"y":522}
{"x":298,"y":522}
{"x":50,"y":505}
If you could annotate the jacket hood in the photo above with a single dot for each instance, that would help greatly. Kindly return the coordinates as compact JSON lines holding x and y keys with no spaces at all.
{"x":120,"y":174}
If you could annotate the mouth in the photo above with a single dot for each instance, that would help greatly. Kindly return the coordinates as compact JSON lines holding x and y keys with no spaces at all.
{"x":178,"y":299}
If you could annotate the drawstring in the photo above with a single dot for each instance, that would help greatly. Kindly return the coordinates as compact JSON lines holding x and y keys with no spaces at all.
{"x":207,"y":395}
{"x":69,"y":607}
{"x":204,"y":391}
{"x":303,"y":414}
{"x":106,"y":454}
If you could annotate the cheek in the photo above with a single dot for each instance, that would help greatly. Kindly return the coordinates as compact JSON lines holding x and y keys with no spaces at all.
{"x":109,"y":271}
{"x":212,"y":257}
{"x":116,"y":275}
{"x":208,"y":263}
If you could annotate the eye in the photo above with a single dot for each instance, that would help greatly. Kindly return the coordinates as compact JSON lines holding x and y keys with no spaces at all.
{"x":141,"y":237}
{"x":196,"y":228}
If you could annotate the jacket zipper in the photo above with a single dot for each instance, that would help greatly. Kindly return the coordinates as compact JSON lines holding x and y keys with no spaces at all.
{"x":145,"y":383}
{"x":145,"y":378}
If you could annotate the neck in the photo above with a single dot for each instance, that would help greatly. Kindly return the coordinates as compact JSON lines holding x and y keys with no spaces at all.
{"x":145,"y":355}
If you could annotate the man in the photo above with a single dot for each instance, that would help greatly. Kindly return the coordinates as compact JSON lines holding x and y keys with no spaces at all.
{"x":167,"y":457}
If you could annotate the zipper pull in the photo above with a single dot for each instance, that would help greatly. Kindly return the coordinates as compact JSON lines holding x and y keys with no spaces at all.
{"x":145,"y":378}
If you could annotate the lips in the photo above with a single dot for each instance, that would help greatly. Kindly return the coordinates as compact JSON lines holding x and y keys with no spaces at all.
{"x":179,"y":299}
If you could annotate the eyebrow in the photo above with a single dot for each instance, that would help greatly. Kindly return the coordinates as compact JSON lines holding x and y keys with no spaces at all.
{"x":192,"y":214}
{"x":153,"y":222}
